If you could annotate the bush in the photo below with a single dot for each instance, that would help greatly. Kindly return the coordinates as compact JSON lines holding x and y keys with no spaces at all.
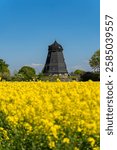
{"x":90,"y":76}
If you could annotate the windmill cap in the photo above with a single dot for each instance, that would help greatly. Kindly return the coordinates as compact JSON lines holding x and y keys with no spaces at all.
{"x":55,"y":46}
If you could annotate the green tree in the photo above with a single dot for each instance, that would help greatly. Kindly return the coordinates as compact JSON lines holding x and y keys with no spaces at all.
{"x":95,"y":61}
{"x":27,"y":73}
{"x":18,"y":77}
{"x":4,"y":70}
{"x":79,"y":72}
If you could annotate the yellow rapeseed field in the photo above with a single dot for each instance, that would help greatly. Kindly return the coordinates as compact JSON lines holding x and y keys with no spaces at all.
{"x":49,"y":116}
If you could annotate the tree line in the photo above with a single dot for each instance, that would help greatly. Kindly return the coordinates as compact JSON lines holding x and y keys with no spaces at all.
{"x":27,"y":73}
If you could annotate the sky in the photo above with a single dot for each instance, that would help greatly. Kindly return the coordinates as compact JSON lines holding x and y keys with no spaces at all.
{"x":27,"y":27}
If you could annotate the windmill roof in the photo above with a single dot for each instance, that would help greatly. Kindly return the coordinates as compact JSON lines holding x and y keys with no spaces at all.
{"x":56,"y":45}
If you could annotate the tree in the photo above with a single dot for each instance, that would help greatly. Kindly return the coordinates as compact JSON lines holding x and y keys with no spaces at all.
{"x":95,"y":61}
{"x":18,"y":77}
{"x":94,"y":76}
{"x":4,"y":71}
{"x":79,"y":72}
{"x":28,"y":73}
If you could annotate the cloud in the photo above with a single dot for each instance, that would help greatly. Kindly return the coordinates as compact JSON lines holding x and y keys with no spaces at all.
{"x":36,"y":65}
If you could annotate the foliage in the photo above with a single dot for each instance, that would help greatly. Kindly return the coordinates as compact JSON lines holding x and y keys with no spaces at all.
{"x":27,"y":73}
{"x":4,"y":71}
{"x":18,"y":77}
{"x":49,"y":116}
{"x":95,"y":61}
{"x":79,"y":72}
{"x":53,"y":78}
{"x":94,"y":76}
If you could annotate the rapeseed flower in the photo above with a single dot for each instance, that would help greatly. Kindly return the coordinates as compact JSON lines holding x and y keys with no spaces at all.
{"x":54,"y":113}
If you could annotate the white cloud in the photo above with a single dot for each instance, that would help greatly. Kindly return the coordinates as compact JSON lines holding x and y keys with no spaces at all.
{"x":35,"y":65}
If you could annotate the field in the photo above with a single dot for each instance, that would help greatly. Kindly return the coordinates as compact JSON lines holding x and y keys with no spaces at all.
{"x":49,"y":116}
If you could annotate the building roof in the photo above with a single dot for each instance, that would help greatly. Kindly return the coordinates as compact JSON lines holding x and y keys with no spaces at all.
{"x":55,"y":46}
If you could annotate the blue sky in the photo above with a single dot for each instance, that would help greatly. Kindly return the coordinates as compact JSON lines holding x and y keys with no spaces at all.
{"x":27,"y":27}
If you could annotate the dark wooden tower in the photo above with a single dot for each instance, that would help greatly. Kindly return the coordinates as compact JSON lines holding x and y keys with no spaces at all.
{"x":55,"y":63}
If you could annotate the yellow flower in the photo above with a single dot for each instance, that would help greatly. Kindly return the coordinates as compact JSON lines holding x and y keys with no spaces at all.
{"x":91,"y":140}
{"x":79,"y":129}
{"x":58,"y":80}
{"x":51,"y":107}
{"x":3,"y":132}
{"x":28,"y":127}
{"x":66,"y":140}
{"x":96,"y":148}
{"x":76,"y":148}
{"x":52,"y":144}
